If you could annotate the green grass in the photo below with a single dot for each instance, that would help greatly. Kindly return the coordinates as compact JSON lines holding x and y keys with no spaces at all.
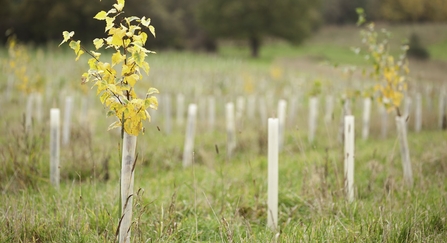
{"x":334,"y":44}
{"x":217,"y":200}
{"x":315,"y":52}
{"x":438,"y":51}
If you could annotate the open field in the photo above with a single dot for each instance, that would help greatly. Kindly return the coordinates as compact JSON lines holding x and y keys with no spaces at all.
{"x":222,"y":199}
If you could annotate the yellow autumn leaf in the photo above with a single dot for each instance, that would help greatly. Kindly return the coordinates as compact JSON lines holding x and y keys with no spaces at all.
{"x":116,"y":124}
{"x":138,"y":56}
{"x":103,"y":97}
{"x":117,"y":58}
{"x":75,"y":45}
{"x":132,"y":79}
{"x":145,"y":22}
{"x":109,"y":23}
{"x":67,"y":36}
{"x":118,"y":6}
{"x":148,"y":116}
{"x":152,"y":30}
{"x":152,"y":91}
{"x":138,"y":103}
{"x":145,"y":67}
{"x":98,"y":43}
{"x":101,"y":15}
{"x":117,"y":36}
{"x":122,"y":2}
{"x":111,"y":11}
{"x":92,"y":64}
{"x":151,"y":102}
{"x":127,"y":69}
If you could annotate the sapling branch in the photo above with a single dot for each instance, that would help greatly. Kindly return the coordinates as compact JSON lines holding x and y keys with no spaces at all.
{"x":117,"y":93}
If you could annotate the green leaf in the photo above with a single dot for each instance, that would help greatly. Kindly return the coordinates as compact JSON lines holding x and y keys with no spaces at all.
{"x":111,"y":113}
{"x":101,"y":15}
{"x":138,"y":57}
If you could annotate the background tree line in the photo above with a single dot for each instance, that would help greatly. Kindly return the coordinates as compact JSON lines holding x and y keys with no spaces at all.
{"x":196,"y":24}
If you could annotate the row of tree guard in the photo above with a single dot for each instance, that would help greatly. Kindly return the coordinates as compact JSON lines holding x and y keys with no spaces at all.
{"x":245,"y":109}
{"x":234,"y":113}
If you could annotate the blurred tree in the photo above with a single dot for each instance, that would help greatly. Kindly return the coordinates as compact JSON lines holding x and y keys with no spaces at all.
{"x":39,"y":21}
{"x":417,"y":49}
{"x":5,"y":19}
{"x":414,"y":10}
{"x":176,"y":24}
{"x":343,"y":11}
{"x":43,"y":20}
{"x":292,"y":20}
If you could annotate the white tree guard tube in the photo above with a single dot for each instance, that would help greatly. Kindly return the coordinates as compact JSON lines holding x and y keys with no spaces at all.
{"x":240,"y":109}
{"x":346,"y":111}
{"x":418,"y":113}
{"x":349,"y":157}
{"x":83,"y":115}
{"x":272,"y":190}
{"x":262,"y":111}
{"x":407,"y":109}
{"x":366,"y":118}
{"x":329,"y":109}
{"x":127,"y":180}
{"x":313,"y":113}
{"x":211,"y":113}
{"x":167,"y":113}
{"x":231,"y":129}
{"x":201,"y":106}
{"x":383,"y":121}
{"x":190,"y":134}
{"x":39,"y":115}
{"x":67,"y":120}
{"x":282,"y":109}
{"x":404,"y":150}
{"x":292,"y":111}
{"x":180,"y":111}
{"x":54,"y":146}
{"x":428,"y":97}
{"x":251,"y":107}
{"x":29,"y":112}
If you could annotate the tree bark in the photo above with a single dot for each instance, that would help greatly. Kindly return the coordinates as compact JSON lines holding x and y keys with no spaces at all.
{"x":255,"y":43}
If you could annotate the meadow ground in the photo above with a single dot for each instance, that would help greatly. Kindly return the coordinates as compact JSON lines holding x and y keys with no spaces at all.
{"x":221,"y":199}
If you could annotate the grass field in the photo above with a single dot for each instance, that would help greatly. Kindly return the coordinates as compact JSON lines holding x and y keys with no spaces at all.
{"x":221,"y":199}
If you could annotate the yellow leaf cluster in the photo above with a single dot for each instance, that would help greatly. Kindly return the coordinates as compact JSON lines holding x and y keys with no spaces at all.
{"x":389,"y":73}
{"x":115,"y":81}
{"x":18,"y":66}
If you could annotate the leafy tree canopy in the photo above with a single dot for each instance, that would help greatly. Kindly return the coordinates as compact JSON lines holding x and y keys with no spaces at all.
{"x":292,"y":20}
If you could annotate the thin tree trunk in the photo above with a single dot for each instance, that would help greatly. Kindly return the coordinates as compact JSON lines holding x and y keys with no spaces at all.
{"x":255,"y":43}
